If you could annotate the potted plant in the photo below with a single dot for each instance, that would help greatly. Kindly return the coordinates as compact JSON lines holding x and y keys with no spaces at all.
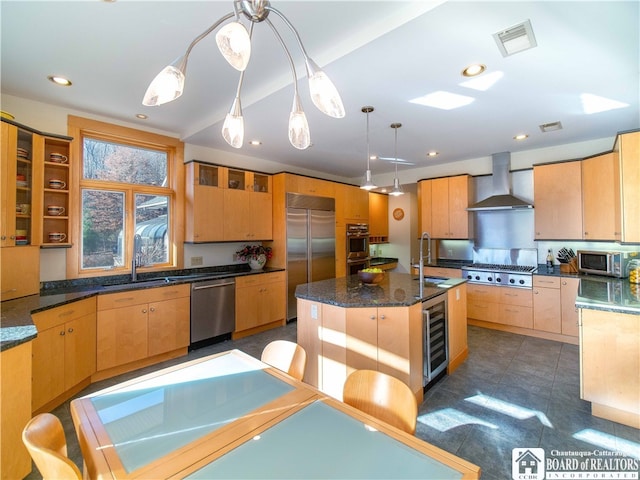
{"x":255,"y":255}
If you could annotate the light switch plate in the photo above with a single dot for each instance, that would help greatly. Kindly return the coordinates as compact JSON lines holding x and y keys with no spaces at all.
{"x":314,"y":311}
{"x":196,"y":261}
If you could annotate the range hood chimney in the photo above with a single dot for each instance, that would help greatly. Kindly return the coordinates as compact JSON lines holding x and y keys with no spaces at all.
{"x":501,"y":198}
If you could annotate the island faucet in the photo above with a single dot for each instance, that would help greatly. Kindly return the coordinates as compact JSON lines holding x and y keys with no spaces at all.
{"x":421,"y":266}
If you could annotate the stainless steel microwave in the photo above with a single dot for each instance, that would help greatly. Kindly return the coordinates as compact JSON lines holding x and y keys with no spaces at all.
{"x":610,"y":264}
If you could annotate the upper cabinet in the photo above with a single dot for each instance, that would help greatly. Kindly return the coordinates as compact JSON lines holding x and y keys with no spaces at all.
{"x":601,"y":198}
{"x":309,"y":186}
{"x":352,"y":204}
{"x":558,"y":201}
{"x":57,"y":194}
{"x":378,"y":218}
{"x":226,"y":204}
{"x":443,"y":207}
{"x":627,"y":151}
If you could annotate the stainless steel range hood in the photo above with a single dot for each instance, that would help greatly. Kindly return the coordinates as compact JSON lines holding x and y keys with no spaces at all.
{"x":501,"y":198}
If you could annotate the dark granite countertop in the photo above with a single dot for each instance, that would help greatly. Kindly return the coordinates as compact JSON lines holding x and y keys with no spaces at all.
{"x":16,"y":325}
{"x":396,"y":290}
{"x":382,"y":261}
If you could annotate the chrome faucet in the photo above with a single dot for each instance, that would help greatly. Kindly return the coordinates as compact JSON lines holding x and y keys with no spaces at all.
{"x":421,"y":266}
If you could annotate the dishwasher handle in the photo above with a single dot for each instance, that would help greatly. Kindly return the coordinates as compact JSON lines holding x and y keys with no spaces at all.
{"x":212,"y":285}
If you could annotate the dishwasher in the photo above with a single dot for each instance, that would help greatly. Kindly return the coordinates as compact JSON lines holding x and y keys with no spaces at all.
{"x":213,"y":311}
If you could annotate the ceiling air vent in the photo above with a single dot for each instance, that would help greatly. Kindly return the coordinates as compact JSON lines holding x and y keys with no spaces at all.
{"x":515,"y":39}
{"x":550,"y":127}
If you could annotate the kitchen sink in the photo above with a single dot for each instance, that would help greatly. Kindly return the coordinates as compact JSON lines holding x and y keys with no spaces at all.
{"x":433,"y":280}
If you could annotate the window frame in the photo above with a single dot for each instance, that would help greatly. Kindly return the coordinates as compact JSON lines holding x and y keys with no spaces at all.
{"x":78,"y":129}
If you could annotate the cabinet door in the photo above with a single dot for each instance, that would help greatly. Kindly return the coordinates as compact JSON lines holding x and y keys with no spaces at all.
{"x":424,"y":206}
{"x":207,"y":214}
{"x":568,"y":293}
{"x":121,"y":336}
{"x":628,"y":149}
{"x":546,"y":309}
{"x":271,"y":303}
{"x":8,"y":186}
{"x":558,"y":201}
{"x":168,"y":326}
{"x":362,"y":339}
{"x":356,"y":204}
{"x":20,"y":268}
{"x":457,"y":322}
{"x":378,"y":215}
{"x":48,"y":366}
{"x":238,"y":212}
{"x":260,"y":223}
{"x":459,"y":226}
{"x":393,"y":342}
{"x":440,"y":208}
{"x":601,"y":198}
{"x":79,"y":349}
{"x":247,"y":307}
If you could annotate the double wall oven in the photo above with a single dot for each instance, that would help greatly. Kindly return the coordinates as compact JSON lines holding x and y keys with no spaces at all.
{"x":357,"y":247}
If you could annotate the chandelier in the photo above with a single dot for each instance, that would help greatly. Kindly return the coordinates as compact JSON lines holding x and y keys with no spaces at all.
{"x":234,"y":42}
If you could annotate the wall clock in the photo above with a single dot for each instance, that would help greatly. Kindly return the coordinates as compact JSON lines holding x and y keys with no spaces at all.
{"x":398,"y":214}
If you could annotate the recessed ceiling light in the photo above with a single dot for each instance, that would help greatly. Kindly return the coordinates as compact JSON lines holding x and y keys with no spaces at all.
{"x":432,"y":154}
{"x":58,"y":80}
{"x":255,"y":143}
{"x":443,"y":100}
{"x":521,"y":136}
{"x":141,"y":116}
{"x":484,"y":82}
{"x":474,"y":70}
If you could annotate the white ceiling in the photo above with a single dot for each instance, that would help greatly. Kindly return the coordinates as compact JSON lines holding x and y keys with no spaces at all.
{"x":379,"y":53}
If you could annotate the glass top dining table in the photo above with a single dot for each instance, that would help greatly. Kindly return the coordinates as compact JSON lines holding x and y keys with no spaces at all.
{"x":231,"y":416}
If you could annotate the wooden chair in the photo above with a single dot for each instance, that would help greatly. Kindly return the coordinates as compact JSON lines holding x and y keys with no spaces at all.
{"x":382,"y":396}
{"x":287,"y":356}
{"x":44,"y":438}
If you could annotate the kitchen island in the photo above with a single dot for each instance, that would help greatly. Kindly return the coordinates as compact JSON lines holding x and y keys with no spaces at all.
{"x":345,"y":325}
{"x":609,"y":322}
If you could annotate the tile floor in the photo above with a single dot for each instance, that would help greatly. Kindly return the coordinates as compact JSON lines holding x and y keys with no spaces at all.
{"x":513,"y":391}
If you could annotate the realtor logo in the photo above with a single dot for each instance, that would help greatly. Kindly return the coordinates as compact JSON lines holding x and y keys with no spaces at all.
{"x":527,"y":464}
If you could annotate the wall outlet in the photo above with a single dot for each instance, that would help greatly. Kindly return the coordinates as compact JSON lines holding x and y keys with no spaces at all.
{"x":196,"y":261}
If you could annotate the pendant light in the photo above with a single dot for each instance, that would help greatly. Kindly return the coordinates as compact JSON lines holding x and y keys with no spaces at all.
{"x":397,"y":188}
{"x":367,"y":182}
{"x":234,"y":43}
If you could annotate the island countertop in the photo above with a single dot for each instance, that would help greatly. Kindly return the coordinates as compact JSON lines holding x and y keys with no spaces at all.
{"x":396,"y":290}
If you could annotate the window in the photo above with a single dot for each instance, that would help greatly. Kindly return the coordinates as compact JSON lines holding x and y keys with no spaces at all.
{"x":129,"y":185}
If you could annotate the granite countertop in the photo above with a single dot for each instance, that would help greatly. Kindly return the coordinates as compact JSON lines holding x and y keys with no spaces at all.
{"x":396,"y":290}
{"x":382,"y":261}
{"x":16,"y":325}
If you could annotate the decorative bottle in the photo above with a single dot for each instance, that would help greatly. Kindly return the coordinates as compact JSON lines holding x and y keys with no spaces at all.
{"x":549,"y":261}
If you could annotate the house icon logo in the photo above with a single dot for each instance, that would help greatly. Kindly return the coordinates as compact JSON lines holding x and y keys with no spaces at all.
{"x":527,"y":464}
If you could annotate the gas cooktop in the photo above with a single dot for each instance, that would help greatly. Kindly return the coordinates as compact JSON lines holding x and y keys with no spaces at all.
{"x":495,"y":267}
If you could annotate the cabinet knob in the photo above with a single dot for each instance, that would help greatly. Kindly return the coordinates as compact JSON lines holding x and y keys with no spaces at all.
{"x":144,"y":310}
{"x":153,"y":309}
{"x":372,"y":317}
{"x":70,"y":330}
{"x":382,"y":317}
{"x":62,"y":333}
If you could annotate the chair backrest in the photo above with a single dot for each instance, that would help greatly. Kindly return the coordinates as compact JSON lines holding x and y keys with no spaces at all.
{"x":287,"y":356}
{"x":382,"y":396}
{"x":44,"y":438}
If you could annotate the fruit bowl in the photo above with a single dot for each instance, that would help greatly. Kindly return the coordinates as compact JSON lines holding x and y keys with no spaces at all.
{"x":370,"y":278}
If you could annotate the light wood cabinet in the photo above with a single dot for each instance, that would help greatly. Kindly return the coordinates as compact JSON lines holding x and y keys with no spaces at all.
{"x":424,"y":206}
{"x":378,"y":218}
{"x":558,"y":201}
{"x":440,"y":272}
{"x":610,"y":365}
{"x":309,"y":186}
{"x":569,"y":311}
{"x":20,"y":269}
{"x":457,"y":326}
{"x":139,"y":324}
{"x":57,"y":197}
{"x":204,"y":203}
{"x":547,"y":309}
{"x":627,"y":152}
{"x":64,"y":352}
{"x":353,"y":202}
{"x":601,"y":218}
{"x":15,"y":410}
{"x":260,"y":302}
{"x":500,"y":305}
{"x":448,"y":207}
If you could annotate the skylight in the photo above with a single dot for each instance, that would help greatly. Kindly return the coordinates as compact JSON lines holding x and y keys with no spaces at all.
{"x":443,"y":100}
{"x":595,"y":104}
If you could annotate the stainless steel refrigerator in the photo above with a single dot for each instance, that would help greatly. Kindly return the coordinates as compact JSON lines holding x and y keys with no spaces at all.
{"x":311,"y":243}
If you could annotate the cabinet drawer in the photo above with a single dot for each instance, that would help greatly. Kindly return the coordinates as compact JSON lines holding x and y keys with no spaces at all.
{"x":146,"y":295}
{"x":546,"y":282}
{"x":59,"y":315}
{"x":516,"y":296}
{"x":259,"y":279}
{"x":487,"y":311}
{"x":443,"y":272}
{"x":515,"y":315}
{"x":482,"y":293}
